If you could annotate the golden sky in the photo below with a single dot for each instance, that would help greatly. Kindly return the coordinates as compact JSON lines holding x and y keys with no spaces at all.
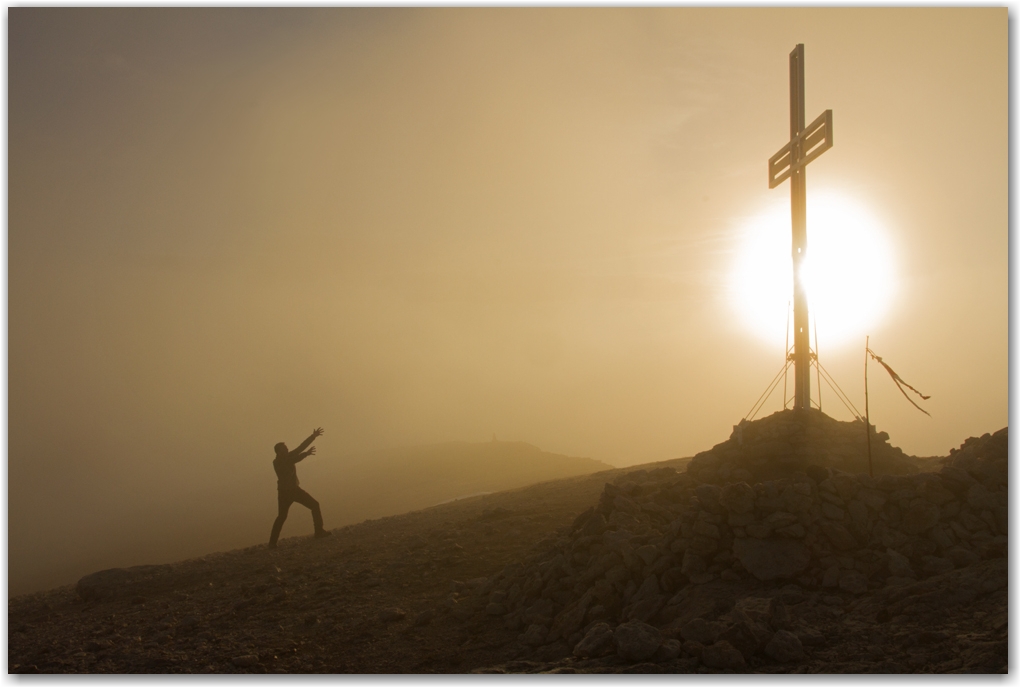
{"x":227,"y":227}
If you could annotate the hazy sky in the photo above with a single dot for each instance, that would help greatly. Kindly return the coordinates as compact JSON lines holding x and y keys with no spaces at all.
{"x":227,"y":227}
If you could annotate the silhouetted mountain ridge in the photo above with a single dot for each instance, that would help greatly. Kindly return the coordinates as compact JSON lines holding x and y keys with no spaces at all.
{"x":397,"y":480}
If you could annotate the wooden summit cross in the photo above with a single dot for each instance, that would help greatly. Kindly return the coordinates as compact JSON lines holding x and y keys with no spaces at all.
{"x":806,"y":143}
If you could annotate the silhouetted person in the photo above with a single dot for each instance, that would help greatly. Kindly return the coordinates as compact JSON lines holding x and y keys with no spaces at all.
{"x":288,"y":489}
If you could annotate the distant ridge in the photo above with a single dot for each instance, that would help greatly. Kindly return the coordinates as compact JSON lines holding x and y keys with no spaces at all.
{"x":397,"y":480}
{"x":438,"y":448}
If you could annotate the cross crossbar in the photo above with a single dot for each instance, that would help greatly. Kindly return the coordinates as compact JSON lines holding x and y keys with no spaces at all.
{"x":814,"y":140}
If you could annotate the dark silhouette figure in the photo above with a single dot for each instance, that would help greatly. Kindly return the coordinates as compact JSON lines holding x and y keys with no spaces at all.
{"x":288,"y":489}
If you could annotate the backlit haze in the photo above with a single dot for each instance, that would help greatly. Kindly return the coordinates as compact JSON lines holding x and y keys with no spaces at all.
{"x":228,"y":227}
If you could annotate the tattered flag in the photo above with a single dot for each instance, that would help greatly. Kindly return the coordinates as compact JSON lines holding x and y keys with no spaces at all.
{"x":900,"y":383}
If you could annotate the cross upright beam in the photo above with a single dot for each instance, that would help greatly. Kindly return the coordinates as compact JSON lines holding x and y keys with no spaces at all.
{"x":806,"y":143}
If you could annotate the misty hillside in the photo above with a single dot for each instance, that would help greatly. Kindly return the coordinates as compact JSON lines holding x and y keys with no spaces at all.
{"x":398,"y":480}
{"x":218,"y":516}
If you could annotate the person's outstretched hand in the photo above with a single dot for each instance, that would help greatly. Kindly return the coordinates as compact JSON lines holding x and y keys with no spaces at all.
{"x":317,"y":432}
{"x":311,"y":451}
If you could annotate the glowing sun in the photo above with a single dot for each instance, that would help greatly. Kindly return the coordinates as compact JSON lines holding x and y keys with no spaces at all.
{"x":848,"y":270}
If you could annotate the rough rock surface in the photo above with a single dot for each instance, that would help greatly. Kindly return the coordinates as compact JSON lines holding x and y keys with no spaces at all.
{"x":599,"y":641}
{"x":723,"y":656}
{"x":772,"y":552}
{"x":785,"y":647}
{"x":771,"y":559}
{"x":636,"y":641}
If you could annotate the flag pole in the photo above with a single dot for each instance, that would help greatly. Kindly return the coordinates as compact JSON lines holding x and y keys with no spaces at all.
{"x":867,"y":415}
{"x":786,"y":353}
{"x":818,"y":366}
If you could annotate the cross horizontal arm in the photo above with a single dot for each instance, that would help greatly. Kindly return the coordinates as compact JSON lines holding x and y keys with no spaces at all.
{"x":813,"y":140}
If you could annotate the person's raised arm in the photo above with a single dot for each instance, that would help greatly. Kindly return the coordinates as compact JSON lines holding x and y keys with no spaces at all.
{"x":301,"y":456}
{"x":307,"y":442}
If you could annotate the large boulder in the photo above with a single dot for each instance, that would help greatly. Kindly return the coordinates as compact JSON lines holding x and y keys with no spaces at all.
{"x":979,"y":499}
{"x":853,"y":581}
{"x":723,"y":656}
{"x":920,"y":517}
{"x":785,"y":647}
{"x":708,"y":495}
{"x":738,"y":498}
{"x":899,"y":565}
{"x":962,"y":557}
{"x":761,"y":609}
{"x":934,"y":565}
{"x":597,"y":642}
{"x":872,"y":498}
{"x":693,"y":564}
{"x":701,"y":631}
{"x":535,"y":635}
{"x":772,"y":559}
{"x":637,"y":641}
{"x":571,"y":618}
{"x":838,"y":535}
{"x":744,"y":637}
{"x":933,"y":491}
{"x":956,"y":479}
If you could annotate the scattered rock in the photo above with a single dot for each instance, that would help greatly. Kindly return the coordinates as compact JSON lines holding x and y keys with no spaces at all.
{"x":771,"y":559}
{"x":668,"y":651}
{"x":961,"y":557}
{"x":534,"y":636}
{"x":723,"y":656}
{"x":744,"y":637}
{"x":979,"y":499}
{"x":920,"y":516}
{"x":701,"y":631}
{"x":838,"y":535}
{"x":647,"y":553}
{"x":899,"y":565}
{"x":853,"y":581}
{"x":810,"y":636}
{"x":785,"y":647}
{"x":597,"y":642}
{"x":693,"y":649}
{"x":637,"y":641}
{"x":935,"y":492}
{"x":934,"y":565}
{"x":570,"y":619}
{"x":737,"y":498}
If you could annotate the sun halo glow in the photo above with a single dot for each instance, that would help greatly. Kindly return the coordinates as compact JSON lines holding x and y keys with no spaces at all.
{"x":848,"y":271}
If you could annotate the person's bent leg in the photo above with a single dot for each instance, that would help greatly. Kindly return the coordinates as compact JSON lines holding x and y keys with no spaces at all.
{"x":284,"y":504}
{"x":306,"y":500}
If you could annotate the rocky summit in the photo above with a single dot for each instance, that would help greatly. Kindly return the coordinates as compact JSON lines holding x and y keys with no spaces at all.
{"x":774,"y":552}
{"x":890,"y":573}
